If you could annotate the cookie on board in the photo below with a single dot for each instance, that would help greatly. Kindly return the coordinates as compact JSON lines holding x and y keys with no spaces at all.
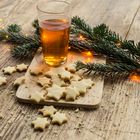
{"x":58,"y":81}
{"x":47,"y":110}
{"x":76,"y":77}
{"x":3,"y":80}
{"x":37,"y":96}
{"x":19,"y":81}
{"x":9,"y":70}
{"x":55,"y":92}
{"x":71,"y":93}
{"x":88,"y":82}
{"x":36,"y":71}
{"x":49,"y":74}
{"x":80,"y":86}
{"x":21,"y":67}
{"x":71,"y":68}
{"x":65,"y":75}
{"x":44,"y":82}
{"x":59,"y":118}
{"x":40,"y":123}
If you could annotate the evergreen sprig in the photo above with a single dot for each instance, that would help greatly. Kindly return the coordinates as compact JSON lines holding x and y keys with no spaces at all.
{"x":103,"y":32}
{"x":99,"y":39}
{"x":117,"y":69}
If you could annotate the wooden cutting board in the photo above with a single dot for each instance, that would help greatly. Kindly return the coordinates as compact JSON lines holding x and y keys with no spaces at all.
{"x":91,"y":99}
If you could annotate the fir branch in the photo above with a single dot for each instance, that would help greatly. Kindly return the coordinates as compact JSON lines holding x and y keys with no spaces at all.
{"x":25,"y":50}
{"x":35,"y":24}
{"x":17,"y":38}
{"x":79,"y":25}
{"x":108,"y":70}
{"x":130,"y":47}
{"x":103,"y":32}
{"x":14,"y":28}
{"x":105,"y":48}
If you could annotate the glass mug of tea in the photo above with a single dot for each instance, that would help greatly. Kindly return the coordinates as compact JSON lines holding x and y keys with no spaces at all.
{"x":54,"y":22}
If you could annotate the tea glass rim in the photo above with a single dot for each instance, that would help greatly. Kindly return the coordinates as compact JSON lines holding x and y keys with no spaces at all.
{"x":50,"y":1}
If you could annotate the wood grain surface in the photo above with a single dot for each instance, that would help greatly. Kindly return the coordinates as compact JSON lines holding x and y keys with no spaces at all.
{"x":116,"y":119}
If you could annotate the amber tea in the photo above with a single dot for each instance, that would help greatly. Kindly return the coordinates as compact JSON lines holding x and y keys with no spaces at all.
{"x":54,"y":35}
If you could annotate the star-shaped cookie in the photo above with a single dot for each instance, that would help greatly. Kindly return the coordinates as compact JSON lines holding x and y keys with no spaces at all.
{"x":87,"y":82}
{"x":3,"y":80}
{"x":65,"y":75}
{"x":59,"y":118}
{"x":49,"y":74}
{"x":9,"y":70}
{"x":58,"y":81}
{"x":37,"y":96}
{"x":19,"y":81}
{"x":47,"y":111}
{"x":40,"y":123}
{"x":21,"y":67}
{"x":71,"y":93}
{"x":44,"y":82}
{"x":55,"y":92}
{"x":71,"y":68}
{"x":36,"y":71}
{"x":80,"y":86}
{"x":76,"y":77}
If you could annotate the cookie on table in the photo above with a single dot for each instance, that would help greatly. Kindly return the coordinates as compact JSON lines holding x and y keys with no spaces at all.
{"x":55,"y":92}
{"x":44,"y":82}
{"x":37,"y":96}
{"x":9,"y":70}
{"x":19,"y":81}
{"x":36,"y":71}
{"x":59,"y":118}
{"x":40,"y":123}
{"x":71,"y":68}
{"x":3,"y":80}
{"x":71,"y":93}
{"x":21,"y":67}
{"x":47,"y":111}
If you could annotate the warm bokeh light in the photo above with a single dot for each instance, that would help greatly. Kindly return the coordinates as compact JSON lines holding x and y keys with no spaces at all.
{"x":81,"y":37}
{"x":88,"y":60}
{"x":26,"y":35}
{"x":88,"y":56}
{"x":87,"y":53}
{"x":6,"y":36}
{"x":1,"y":20}
{"x":135,"y":77}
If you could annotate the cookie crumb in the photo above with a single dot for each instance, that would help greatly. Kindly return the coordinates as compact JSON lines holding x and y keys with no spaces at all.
{"x":77,"y":110}
{"x":3,"y":80}
{"x":1,"y":116}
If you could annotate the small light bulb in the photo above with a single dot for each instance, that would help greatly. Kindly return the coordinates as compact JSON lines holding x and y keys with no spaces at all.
{"x":6,"y":36}
{"x":81,"y":37}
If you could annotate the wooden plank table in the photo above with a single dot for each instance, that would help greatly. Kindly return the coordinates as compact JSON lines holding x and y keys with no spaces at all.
{"x":118,"y":117}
